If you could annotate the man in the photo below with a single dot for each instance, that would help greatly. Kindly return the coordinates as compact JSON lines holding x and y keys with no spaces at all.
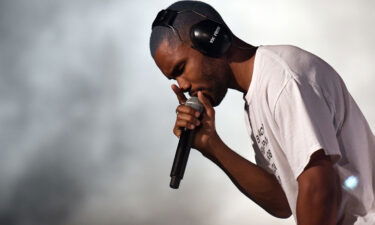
{"x":313,"y":147}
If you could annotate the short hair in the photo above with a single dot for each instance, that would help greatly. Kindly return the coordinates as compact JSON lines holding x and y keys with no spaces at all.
{"x":182,"y":23}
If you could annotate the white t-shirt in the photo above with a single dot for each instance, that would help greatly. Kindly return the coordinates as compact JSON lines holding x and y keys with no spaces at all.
{"x":297,"y":104}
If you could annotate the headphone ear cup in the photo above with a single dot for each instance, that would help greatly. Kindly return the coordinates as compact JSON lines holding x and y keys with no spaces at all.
{"x":210,"y":38}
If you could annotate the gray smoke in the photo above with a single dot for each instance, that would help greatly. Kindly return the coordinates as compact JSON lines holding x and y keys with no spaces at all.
{"x":60,"y":128}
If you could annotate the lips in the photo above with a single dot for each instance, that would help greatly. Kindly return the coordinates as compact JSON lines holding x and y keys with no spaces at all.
{"x":193,"y":94}
{"x":206,"y":95}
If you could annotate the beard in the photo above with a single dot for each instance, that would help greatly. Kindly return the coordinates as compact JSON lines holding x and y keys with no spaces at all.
{"x":217,"y":75}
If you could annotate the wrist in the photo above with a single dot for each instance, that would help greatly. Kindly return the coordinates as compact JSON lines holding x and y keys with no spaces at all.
{"x":213,"y":147}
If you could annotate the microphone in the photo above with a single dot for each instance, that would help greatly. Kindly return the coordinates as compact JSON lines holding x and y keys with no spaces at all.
{"x":183,"y":147}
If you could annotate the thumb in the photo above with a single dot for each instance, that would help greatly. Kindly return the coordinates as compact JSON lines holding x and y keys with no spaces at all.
{"x":179,"y":93}
{"x":206,"y":103}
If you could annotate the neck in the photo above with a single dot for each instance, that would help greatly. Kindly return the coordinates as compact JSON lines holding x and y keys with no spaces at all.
{"x":241,"y":61}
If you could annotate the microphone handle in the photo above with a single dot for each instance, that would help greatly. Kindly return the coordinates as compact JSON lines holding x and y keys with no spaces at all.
{"x":181,"y":157}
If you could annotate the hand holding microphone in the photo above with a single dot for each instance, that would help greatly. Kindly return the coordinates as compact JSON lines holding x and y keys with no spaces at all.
{"x":192,"y":131}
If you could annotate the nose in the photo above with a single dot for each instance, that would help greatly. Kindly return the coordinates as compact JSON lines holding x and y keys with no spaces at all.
{"x":183,"y":83}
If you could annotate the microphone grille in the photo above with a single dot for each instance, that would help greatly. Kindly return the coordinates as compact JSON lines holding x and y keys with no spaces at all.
{"x":194,"y":103}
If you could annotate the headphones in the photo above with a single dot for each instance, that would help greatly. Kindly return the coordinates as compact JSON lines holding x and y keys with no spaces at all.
{"x":209,"y":37}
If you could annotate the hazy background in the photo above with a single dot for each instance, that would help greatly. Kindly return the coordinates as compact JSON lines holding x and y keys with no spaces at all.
{"x":86,"y":117}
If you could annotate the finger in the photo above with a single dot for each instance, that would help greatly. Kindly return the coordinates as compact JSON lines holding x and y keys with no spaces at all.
{"x":177,"y":131}
{"x":184,"y":124}
{"x":206,"y":103}
{"x":189,"y":118}
{"x":187,"y":110}
{"x":180,"y":125}
{"x":179,"y":93}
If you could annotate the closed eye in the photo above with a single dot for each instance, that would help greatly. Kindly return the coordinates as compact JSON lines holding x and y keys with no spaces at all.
{"x":178,"y":69}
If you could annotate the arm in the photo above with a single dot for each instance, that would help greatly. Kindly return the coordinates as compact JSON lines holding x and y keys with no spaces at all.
{"x":319,"y":191}
{"x":253,"y":181}
{"x":260,"y":186}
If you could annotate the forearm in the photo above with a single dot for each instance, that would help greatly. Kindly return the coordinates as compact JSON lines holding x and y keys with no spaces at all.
{"x":256,"y":183}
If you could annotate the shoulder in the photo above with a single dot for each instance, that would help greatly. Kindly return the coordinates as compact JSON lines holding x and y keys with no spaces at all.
{"x":271,"y":73}
{"x":300,"y":64}
{"x":283,"y":67}
{"x":285,"y":59}
{"x":297,"y":60}
{"x":282,"y":51}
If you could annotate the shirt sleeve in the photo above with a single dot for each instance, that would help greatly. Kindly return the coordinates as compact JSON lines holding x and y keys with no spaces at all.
{"x":305,"y":123}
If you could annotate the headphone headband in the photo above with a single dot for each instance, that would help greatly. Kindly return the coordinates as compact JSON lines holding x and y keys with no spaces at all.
{"x":165,"y":17}
{"x":209,"y":37}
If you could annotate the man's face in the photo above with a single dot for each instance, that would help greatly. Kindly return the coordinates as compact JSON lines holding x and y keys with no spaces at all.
{"x":193,"y":71}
